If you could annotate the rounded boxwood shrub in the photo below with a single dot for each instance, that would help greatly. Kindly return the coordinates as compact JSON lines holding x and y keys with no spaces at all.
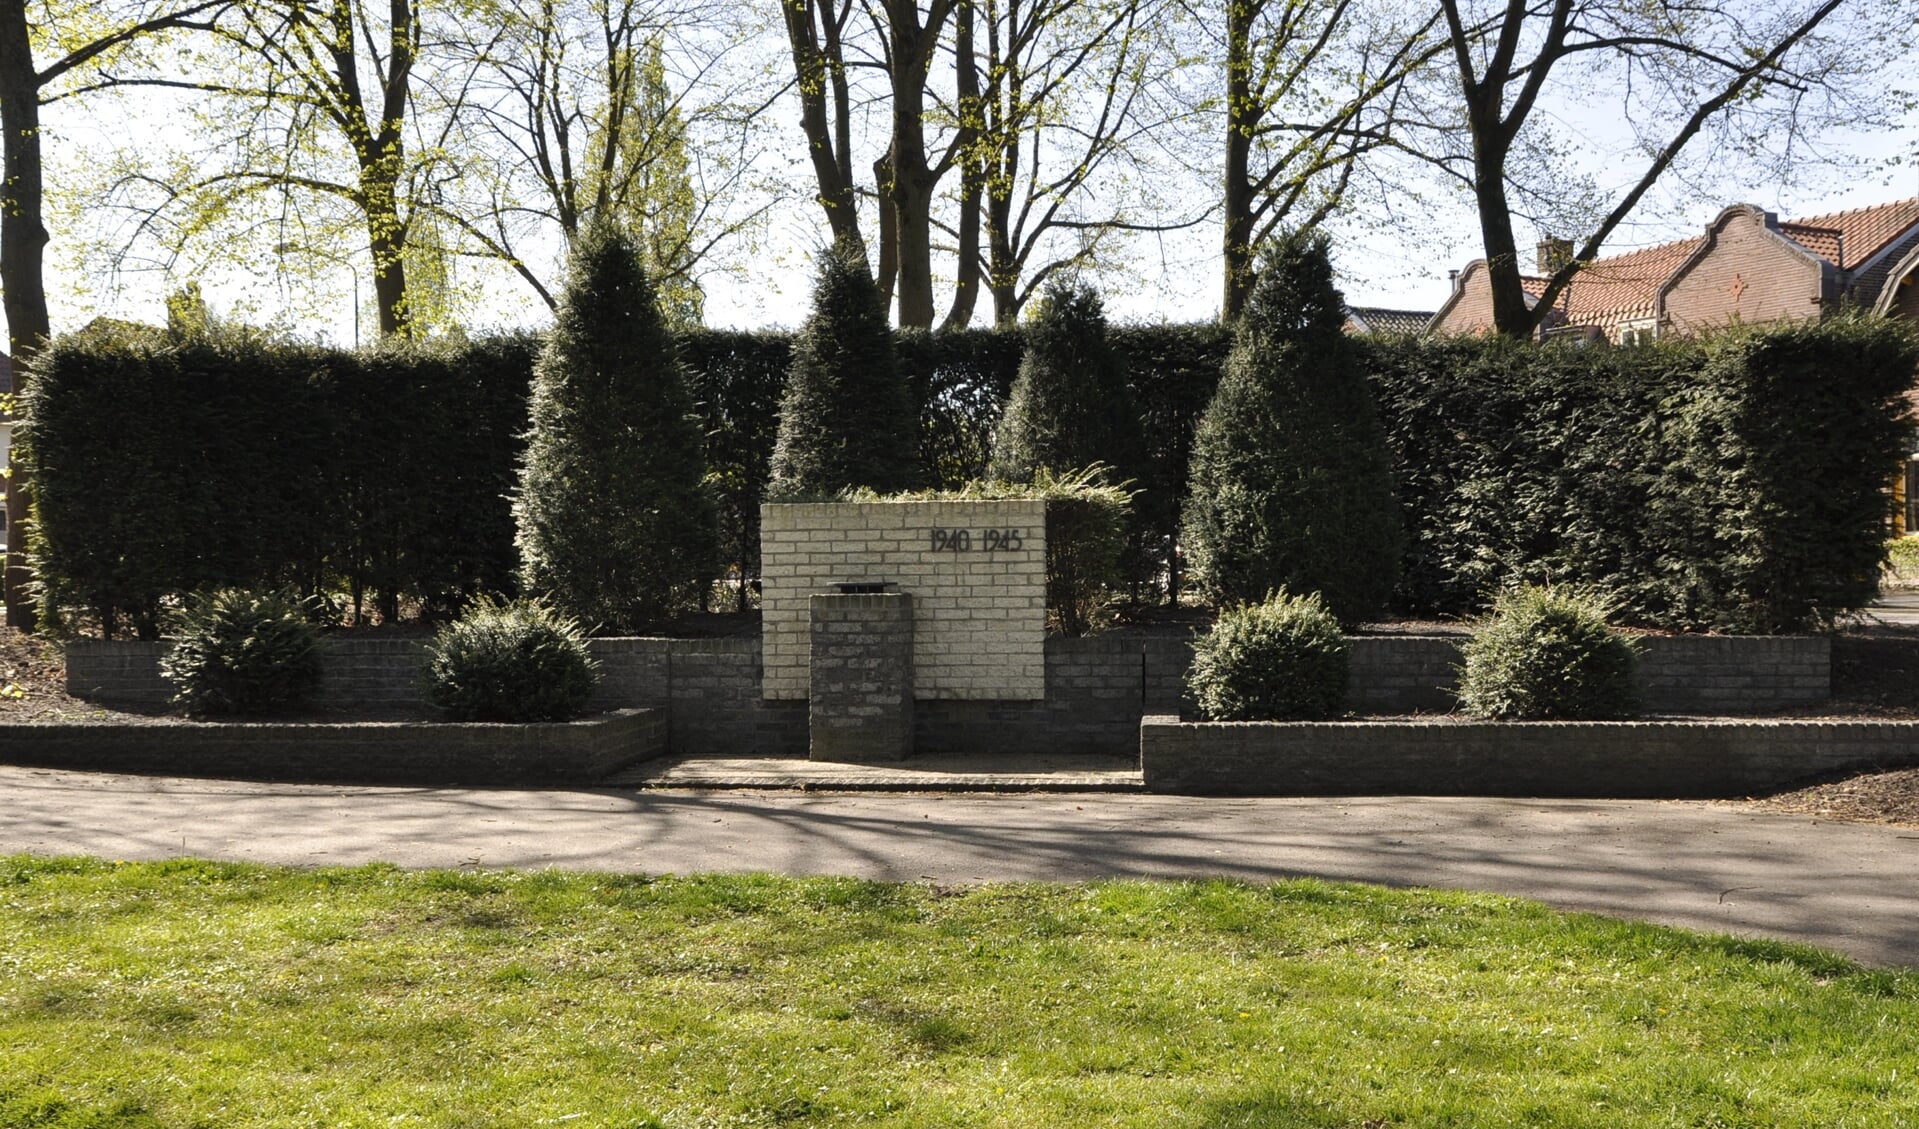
{"x":519,"y":661}
{"x":1282,"y":660}
{"x":243,"y":651}
{"x":1547,"y":654}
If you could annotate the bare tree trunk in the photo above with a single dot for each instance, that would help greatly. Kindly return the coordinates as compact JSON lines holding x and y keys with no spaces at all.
{"x":1002,"y":273}
{"x":23,"y":241}
{"x":386,"y":240}
{"x":887,"y":271}
{"x":972,"y":173}
{"x":966,"y":281}
{"x":1002,"y":270}
{"x":381,"y":150}
{"x":1242,"y":116}
{"x":1511,"y":316}
{"x":1491,"y":141}
{"x":819,"y":70}
{"x":914,"y":180}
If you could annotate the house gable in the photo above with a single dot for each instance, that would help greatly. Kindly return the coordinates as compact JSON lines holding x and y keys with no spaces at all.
{"x":1898,"y":293}
{"x":1470,"y":308}
{"x":1748,"y":266}
{"x":1747,"y":270}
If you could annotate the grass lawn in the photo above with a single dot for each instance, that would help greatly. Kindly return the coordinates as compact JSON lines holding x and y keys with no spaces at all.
{"x":202,"y":994}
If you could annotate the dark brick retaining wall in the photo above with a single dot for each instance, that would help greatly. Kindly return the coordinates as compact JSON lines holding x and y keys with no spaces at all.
{"x":102,"y":671}
{"x":710,"y":689}
{"x":1097,"y":689}
{"x":1620,"y":759}
{"x":1725,"y":674}
{"x":371,"y":752}
{"x":1402,"y":673}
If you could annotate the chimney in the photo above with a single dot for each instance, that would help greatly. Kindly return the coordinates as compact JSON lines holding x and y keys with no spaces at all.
{"x":1553,"y":253}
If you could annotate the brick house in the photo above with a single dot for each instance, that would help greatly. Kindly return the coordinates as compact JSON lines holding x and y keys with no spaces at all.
{"x":1748,"y":265}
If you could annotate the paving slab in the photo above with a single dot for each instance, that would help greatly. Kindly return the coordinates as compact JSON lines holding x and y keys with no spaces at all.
{"x":1899,"y":607}
{"x":957,"y":773}
{"x":1717,"y":866}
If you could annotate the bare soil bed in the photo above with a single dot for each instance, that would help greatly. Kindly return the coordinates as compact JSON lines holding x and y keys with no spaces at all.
{"x":33,"y":682}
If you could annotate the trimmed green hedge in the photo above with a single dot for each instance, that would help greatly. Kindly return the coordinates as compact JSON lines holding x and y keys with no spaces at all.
{"x":1732,"y":483}
{"x":737,"y":380}
{"x":235,"y":461}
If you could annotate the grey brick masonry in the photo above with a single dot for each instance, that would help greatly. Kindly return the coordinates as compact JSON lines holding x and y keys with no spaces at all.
{"x":1618,"y":759}
{"x":1097,"y":689}
{"x":374,"y":752}
{"x":860,"y":688}
{"x":976,"y":571}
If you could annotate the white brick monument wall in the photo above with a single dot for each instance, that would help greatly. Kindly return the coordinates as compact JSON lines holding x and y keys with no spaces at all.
{"x":976,"y":571}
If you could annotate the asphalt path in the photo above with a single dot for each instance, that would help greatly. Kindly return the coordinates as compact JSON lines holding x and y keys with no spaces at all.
{"x":1717,"y":866}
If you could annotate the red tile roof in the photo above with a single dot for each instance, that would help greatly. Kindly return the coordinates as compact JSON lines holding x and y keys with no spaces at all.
{"x":1826,"y":242}
{"x":1867,"y":230}
{"x":1624,"y":287}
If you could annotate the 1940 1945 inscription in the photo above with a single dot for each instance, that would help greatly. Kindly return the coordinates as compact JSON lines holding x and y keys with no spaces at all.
{"x":988,"y":540}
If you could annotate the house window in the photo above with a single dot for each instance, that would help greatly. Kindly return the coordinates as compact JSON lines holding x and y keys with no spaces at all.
{"x":1638,"y":332}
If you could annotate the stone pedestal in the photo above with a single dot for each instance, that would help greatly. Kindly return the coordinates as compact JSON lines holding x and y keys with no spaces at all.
{"x":861,"y":677}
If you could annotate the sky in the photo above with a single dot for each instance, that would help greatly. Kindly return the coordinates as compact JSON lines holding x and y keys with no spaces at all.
{"x":1175,"y":277}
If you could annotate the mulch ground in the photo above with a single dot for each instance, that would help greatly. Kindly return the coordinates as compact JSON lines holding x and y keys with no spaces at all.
{"x":1871,"y":797}
{"x":1875,"y":674}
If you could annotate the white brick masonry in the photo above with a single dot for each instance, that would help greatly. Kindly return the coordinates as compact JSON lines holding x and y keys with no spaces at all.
{"x":976,"y":571}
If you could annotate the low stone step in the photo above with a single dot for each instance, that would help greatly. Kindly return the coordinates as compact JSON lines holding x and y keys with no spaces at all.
{"x":961,"y":773}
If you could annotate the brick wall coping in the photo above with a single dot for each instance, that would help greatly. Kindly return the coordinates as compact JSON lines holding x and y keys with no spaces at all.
{"x":358,"y":752}
{"x":1593,"y":759}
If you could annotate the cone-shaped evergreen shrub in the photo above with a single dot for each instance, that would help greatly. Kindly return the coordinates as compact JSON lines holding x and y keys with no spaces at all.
{"x":1291,"y":483}
{"x":846,"y":420}
{"x":1280,"y":660}
{"x":1545,"y":654}
{"x":1070,"y":407}
{"x":615,"y":527}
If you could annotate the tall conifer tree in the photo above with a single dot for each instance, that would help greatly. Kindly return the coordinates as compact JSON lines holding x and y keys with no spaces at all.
{"x":615,"y":524}
{"x":1070,"y":407}
{"x":846,"y":420}
{"x":1291,"y":483}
